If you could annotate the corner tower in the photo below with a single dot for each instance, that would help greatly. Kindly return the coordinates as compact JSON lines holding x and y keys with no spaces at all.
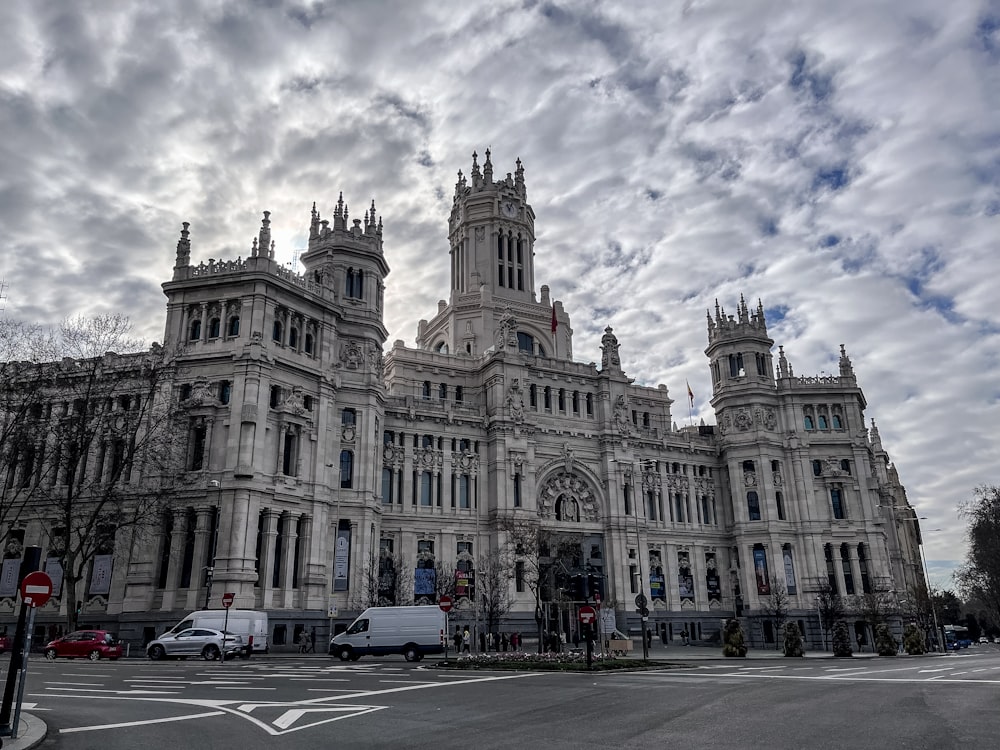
{"x":739,"y":352}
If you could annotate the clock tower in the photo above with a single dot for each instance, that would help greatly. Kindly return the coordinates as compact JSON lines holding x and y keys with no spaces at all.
{"x":491,"y":233}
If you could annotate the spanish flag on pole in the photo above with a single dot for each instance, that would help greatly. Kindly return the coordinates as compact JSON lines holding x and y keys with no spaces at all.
{"x":690,"y":394}
{"x":555,"y":323}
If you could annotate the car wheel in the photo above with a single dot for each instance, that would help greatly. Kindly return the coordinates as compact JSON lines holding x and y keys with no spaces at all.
{"x":94,"y":655}
{"x":344,"y":653}
{"x":411,"y":653}
{"x":50,"y":654}
{"x":156,"y":653}
{"x":210,"y":652}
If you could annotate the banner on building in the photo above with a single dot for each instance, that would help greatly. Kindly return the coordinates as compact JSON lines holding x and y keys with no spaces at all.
{"x":54,"y":569}
{"x":657,"y":586}
{"x":463,"y":583}
{"x":423,"y":581}
{"x":685,"y":584}
{"x":100,"y":575}
{"x":712,"y":582}
{"x":342,"y":560}
{"x":8,"y":576}
{"x":760,"y":571}
{"x":786,"y":554}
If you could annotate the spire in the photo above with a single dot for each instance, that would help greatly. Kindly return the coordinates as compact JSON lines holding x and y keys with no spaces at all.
{"x":874,"y":437}
{"x":264,"y":237}
{"x":783,"y":370}
{"x":314,"y":223}
{"x":488,"y":169}
{"x":519,"y":178}
{"x":183,"y":247}
{"x":476,"y":175}
{"x":846,"y":369}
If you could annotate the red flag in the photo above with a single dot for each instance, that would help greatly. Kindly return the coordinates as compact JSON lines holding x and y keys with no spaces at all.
{"x":555,"y":323}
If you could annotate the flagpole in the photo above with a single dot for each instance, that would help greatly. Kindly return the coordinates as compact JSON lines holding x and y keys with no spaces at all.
{"x":690,"y":404}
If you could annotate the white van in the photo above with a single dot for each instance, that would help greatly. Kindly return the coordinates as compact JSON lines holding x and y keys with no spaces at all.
{"x":249,"y":623}
{"x":411,"y":631}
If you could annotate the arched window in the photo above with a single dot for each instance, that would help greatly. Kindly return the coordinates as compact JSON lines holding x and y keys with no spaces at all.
{"x":837,"y":423}
{"x":845,"y":561}
{"x":845,"y":465}
{"x":817,"y":467}
{"x":277,"y":330}
{"x":443,"y":391}
{"x":225,"y":391}
{"x":425,"y":391}
{"x":214,"y":328}
{"x":753,"y":506}
{"x":822,"y":422}
{"x":562,"y":399}
{"x":309,"y":343}
{"x":548,"y":398}
{"x":194,"y":332}
{"x":234,"y":325}
{"x":458,"y":394}
{"x":533,"y":396}
{"x":808,"y":422}
{"x":590,"y":404}
{"x":346,"y":469}
{"x":780,"y":502}
{"x":293,"y":337}
{"x":441,"y":348}
{"x":576,"y":402}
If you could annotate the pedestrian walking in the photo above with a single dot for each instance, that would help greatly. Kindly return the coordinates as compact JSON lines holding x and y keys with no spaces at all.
{"x":466,"y":642}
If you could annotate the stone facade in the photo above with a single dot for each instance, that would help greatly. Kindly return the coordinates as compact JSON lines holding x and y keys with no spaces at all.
{"x":316,"y":463}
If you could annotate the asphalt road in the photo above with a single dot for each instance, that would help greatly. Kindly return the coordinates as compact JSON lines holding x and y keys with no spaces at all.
{"x":306,"y":702}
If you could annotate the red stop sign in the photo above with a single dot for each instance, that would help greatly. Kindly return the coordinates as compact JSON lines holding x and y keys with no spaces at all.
{"x":587,"y":614}
{"x":36,"y":588}
{"x":445,"y":603}
{"x":227,"y":599}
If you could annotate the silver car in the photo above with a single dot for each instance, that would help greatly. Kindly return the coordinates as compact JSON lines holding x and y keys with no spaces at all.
{"x":204,"y":642}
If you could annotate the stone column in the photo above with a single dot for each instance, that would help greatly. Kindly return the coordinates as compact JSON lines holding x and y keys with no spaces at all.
{"x":288,"y":563}
{"x":267,"y":556}
{"x":177,"y":538}
{"x":202,"y":559}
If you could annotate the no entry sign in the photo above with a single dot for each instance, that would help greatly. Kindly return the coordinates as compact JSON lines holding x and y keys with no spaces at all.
{"x":445,"y":603}
{"x":36,"y":588}
{"x":587,"y":614}
{"x":227,"y":599}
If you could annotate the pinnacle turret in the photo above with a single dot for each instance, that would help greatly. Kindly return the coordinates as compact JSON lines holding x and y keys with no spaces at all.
{"x":846,"y":368}
{"x":183,"y":247}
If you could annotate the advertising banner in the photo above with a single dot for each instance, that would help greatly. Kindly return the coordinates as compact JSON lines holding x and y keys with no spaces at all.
{"x":786,"y":554}
{"x":100,"y":575}
{"x":760,"y":571}
{"x":657,"y":586}
{"x":55,"y":570}
{"x":8,"y":576}
{"x":342,"y":560}
{"x":423,"y":582}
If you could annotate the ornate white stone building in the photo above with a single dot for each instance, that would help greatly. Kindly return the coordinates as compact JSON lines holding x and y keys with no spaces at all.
{"x":312,"y":454}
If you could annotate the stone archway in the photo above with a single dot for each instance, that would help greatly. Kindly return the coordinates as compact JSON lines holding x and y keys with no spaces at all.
{"x":566,"y":496}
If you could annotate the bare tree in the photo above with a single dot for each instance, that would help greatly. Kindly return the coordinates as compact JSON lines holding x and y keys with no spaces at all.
{"x":494,"y":572}
{"x":776,"y":607}
{"x":543,"y":560}
{"x":979,"y":577}
{"x":831,"y":608}
{"x":874,"y":606}
{"x":100,"y":469}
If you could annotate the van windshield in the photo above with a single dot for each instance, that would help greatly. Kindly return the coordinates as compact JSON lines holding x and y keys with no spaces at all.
{"x":359,"y":626}
{"x":183,"y":625}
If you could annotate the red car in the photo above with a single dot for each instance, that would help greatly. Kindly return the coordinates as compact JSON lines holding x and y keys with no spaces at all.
{"x":93,"y":644}
{"x":4,"y":643}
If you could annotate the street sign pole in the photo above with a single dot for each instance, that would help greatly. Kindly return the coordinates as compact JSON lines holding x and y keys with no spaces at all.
{"x":24,"y":672}
{"x":31,"y":562}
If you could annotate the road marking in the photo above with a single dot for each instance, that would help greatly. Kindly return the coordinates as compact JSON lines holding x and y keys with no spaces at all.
{"x":407,"y":682}
{"x":943,"y":669}
{"x":79,"y":684}
{"x":290,"y":717}
{"x":827,"y":678}
{"x":116,"y":692}
{"x":125,"y":724}
{"x":956,"y":674}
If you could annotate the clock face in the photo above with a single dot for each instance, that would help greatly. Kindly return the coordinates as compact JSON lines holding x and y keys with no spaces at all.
{"x":508,"y":209}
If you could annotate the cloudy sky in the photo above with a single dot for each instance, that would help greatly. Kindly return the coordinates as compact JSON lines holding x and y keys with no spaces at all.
{"x":839,"y":161}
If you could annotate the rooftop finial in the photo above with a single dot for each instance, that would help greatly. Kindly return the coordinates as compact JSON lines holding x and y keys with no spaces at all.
{"x":183,"y":247}
{"x":264,"y":237}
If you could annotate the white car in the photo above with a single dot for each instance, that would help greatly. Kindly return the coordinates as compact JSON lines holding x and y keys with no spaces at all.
{"x":204,"y":642}
{"x":983,"y":639}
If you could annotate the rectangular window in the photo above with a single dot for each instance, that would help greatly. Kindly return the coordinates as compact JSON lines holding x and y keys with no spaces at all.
{"x":753,"y":506}
{"x":464,"y":482}
{"x":837,"y":501}
{"x":426,"y":488}
{"x":519,"y":576}
{"x":387,"y":486}
{"x":517,"y":490}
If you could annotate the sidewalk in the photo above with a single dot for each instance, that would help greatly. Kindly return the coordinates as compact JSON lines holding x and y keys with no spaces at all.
{"x":675,"y":653}
{"x":30,"y":733}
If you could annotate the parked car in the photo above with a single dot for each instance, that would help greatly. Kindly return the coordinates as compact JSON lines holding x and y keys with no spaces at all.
{"x":983,"y":639}
{"x":207,"y":643}
{"x":93,"y":644}
{"x":4,"y":643}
